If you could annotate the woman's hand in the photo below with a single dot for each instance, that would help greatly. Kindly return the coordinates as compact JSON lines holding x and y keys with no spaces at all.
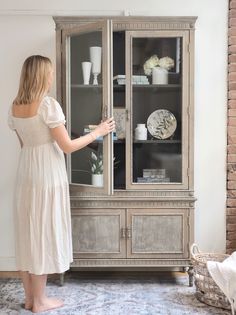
{"x":62,"y":138}
{"x":104,"y":127}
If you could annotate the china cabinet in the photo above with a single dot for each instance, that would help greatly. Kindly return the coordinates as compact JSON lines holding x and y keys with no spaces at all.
{"x":141,"y":215}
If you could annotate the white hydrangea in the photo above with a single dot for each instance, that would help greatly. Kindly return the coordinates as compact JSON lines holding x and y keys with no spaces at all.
{"x":166,"y":63}
{"x":149,"y":64}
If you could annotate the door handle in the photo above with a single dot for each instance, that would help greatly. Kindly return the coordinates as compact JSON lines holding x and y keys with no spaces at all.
{"x":105,"y":112}
{"x":123,"y":232}
{"x":127,"y":115}
{"x":128,"y":232}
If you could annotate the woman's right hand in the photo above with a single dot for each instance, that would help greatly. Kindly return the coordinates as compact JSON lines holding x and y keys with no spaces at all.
{"x":105,"y":127}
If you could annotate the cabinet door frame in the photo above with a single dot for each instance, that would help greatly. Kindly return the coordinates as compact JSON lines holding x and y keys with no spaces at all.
{"x":186,"y":233}
{"x":122,"y":239}
{"x":185,"y":110}
{"x":106,"y":28}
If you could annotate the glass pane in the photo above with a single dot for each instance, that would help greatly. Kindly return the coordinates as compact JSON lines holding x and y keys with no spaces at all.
{"x":86,"y":106}
{"x":157,"y":110}
{"x":119,"y":108}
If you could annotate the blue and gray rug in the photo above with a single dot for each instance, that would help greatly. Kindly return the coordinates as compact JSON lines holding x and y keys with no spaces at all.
{"x":112,"y":297}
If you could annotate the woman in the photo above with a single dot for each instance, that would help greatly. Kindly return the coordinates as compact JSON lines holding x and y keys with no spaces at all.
{"x":42,"y":206}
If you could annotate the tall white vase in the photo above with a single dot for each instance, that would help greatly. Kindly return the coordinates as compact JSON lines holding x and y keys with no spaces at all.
{"x":159,"y":76}
{"x":96,"y":59}
{"x":97,"y":180}
{"x":86,"y":68}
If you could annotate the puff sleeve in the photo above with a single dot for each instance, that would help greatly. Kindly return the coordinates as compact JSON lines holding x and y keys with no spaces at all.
{"x":10,"y":120}
{"x":52,"y":113}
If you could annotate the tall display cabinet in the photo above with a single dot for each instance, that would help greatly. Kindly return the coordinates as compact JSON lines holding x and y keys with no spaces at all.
{"x":141,"y":213}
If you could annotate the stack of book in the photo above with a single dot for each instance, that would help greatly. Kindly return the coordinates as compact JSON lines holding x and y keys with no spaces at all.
{"x":89,"y":128}
{"x":136,"y":79}
{"x":153,"y":176}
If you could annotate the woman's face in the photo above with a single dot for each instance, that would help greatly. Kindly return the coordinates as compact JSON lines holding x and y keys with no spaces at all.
{"x":50,"y":78}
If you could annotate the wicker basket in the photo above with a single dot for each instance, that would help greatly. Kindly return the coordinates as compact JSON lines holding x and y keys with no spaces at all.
{"x":207,"y":290}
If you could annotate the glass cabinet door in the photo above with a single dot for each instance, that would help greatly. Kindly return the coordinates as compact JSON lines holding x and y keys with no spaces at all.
{"x":86,"y":94}
{"x":157,"y":103}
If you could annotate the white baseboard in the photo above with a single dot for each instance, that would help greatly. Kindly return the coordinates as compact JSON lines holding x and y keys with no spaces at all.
{"x":7,"y":264}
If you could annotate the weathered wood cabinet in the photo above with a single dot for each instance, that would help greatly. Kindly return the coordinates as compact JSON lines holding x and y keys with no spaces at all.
{"x":142,"y":213}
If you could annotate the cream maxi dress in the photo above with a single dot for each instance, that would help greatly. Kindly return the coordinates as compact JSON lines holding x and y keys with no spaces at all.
{"x":41,"y":199}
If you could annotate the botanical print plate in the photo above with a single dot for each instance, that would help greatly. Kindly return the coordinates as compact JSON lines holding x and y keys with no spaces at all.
{"x":161,"y":124}
{"x":119,"y":117}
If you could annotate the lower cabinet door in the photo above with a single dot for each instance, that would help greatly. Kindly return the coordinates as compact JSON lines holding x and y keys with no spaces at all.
{"x":98,"y":233}
{"x":157,"y":233}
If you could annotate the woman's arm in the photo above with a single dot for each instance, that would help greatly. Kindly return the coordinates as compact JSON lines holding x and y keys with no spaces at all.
{"x":67,"y":145}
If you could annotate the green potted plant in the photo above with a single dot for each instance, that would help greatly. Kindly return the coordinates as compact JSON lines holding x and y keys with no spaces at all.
{"x":97,"y":169}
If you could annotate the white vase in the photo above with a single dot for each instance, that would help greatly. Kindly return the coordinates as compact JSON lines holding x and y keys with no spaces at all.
{"x":86,"y":68}
{"x":140,"y":132}
{"x":96,"y":59}
{"x":159,"y":76}
{"x":97,"y":180}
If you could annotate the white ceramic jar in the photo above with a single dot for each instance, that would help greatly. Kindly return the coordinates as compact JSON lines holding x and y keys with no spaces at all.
{"x":140,"y":132}
{"x":159,"y":76}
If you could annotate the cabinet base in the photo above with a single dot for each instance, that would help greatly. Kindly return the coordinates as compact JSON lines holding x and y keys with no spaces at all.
{"x":131,"y":263}
{"x":133,"y":271}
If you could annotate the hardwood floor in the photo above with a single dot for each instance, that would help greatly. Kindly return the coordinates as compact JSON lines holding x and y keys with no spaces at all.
{"x":9,"y":274}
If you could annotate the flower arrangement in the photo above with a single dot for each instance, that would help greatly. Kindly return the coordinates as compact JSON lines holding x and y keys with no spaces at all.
{"x":165,"y":62}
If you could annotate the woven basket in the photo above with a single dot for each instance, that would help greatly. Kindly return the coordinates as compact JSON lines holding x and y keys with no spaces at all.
{"x":207,"y":290}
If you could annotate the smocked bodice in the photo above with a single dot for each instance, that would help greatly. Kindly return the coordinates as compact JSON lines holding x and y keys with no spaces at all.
{"x":35,"y":130}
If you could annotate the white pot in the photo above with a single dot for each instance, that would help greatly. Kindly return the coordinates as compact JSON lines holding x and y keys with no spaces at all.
{"x":96,"y":59}
{"x":86,"y":68}
{"x":140,"y":132}
{"x":97,"y":180}
{"x":159,"y":76}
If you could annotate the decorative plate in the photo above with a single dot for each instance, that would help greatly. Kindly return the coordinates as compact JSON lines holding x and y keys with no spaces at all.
{"x":161,"y":124}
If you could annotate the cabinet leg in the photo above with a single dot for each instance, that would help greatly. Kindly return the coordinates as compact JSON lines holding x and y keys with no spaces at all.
{"x":185,"y":269}
{"x":62,"y":278}
{"x":190,"y":274}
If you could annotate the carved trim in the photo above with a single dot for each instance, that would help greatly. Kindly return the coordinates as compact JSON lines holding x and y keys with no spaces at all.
{"x":74,"y":192}
{"x":129,"y":23}
{"x":130,"y":262}
{"x":151,"y":26}
{"x":130,"y":204}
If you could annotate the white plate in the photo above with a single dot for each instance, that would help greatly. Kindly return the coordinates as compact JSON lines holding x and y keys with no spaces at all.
{"x":161,"y":124}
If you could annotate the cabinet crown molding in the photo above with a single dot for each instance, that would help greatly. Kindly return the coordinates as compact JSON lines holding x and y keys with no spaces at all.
{"x":130,"y":22}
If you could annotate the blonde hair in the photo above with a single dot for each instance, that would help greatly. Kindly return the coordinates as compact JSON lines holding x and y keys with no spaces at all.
{"x":33,"y":80}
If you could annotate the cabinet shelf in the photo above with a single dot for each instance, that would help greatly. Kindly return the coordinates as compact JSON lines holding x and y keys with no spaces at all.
{"x":157,"y":141}
{"x":158,"y":87}
{"x":136,"y":87}
{"x":121,"y":87}
{"x":168,"y":141}
{"x":86,"y":86}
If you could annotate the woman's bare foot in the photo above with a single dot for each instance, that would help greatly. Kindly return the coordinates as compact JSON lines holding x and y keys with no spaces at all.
{"x":28,"y":304}
{"x":46,"y":304}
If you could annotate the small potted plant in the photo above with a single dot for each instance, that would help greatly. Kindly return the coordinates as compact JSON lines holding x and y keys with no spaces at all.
{"x":97,"y":169}
{"x":96,"y":164}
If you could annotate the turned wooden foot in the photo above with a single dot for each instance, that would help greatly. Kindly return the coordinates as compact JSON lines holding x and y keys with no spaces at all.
{"x":190,"y":274}
{"x":62,"y":278}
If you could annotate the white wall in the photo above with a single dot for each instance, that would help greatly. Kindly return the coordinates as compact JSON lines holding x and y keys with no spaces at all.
{"x":26,"y":27}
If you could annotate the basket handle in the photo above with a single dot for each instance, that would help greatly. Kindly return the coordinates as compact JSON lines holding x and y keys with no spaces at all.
{"x":194,"y":249}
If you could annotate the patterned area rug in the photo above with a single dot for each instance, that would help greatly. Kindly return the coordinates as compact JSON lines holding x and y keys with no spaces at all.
{"x":112,"y":297}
